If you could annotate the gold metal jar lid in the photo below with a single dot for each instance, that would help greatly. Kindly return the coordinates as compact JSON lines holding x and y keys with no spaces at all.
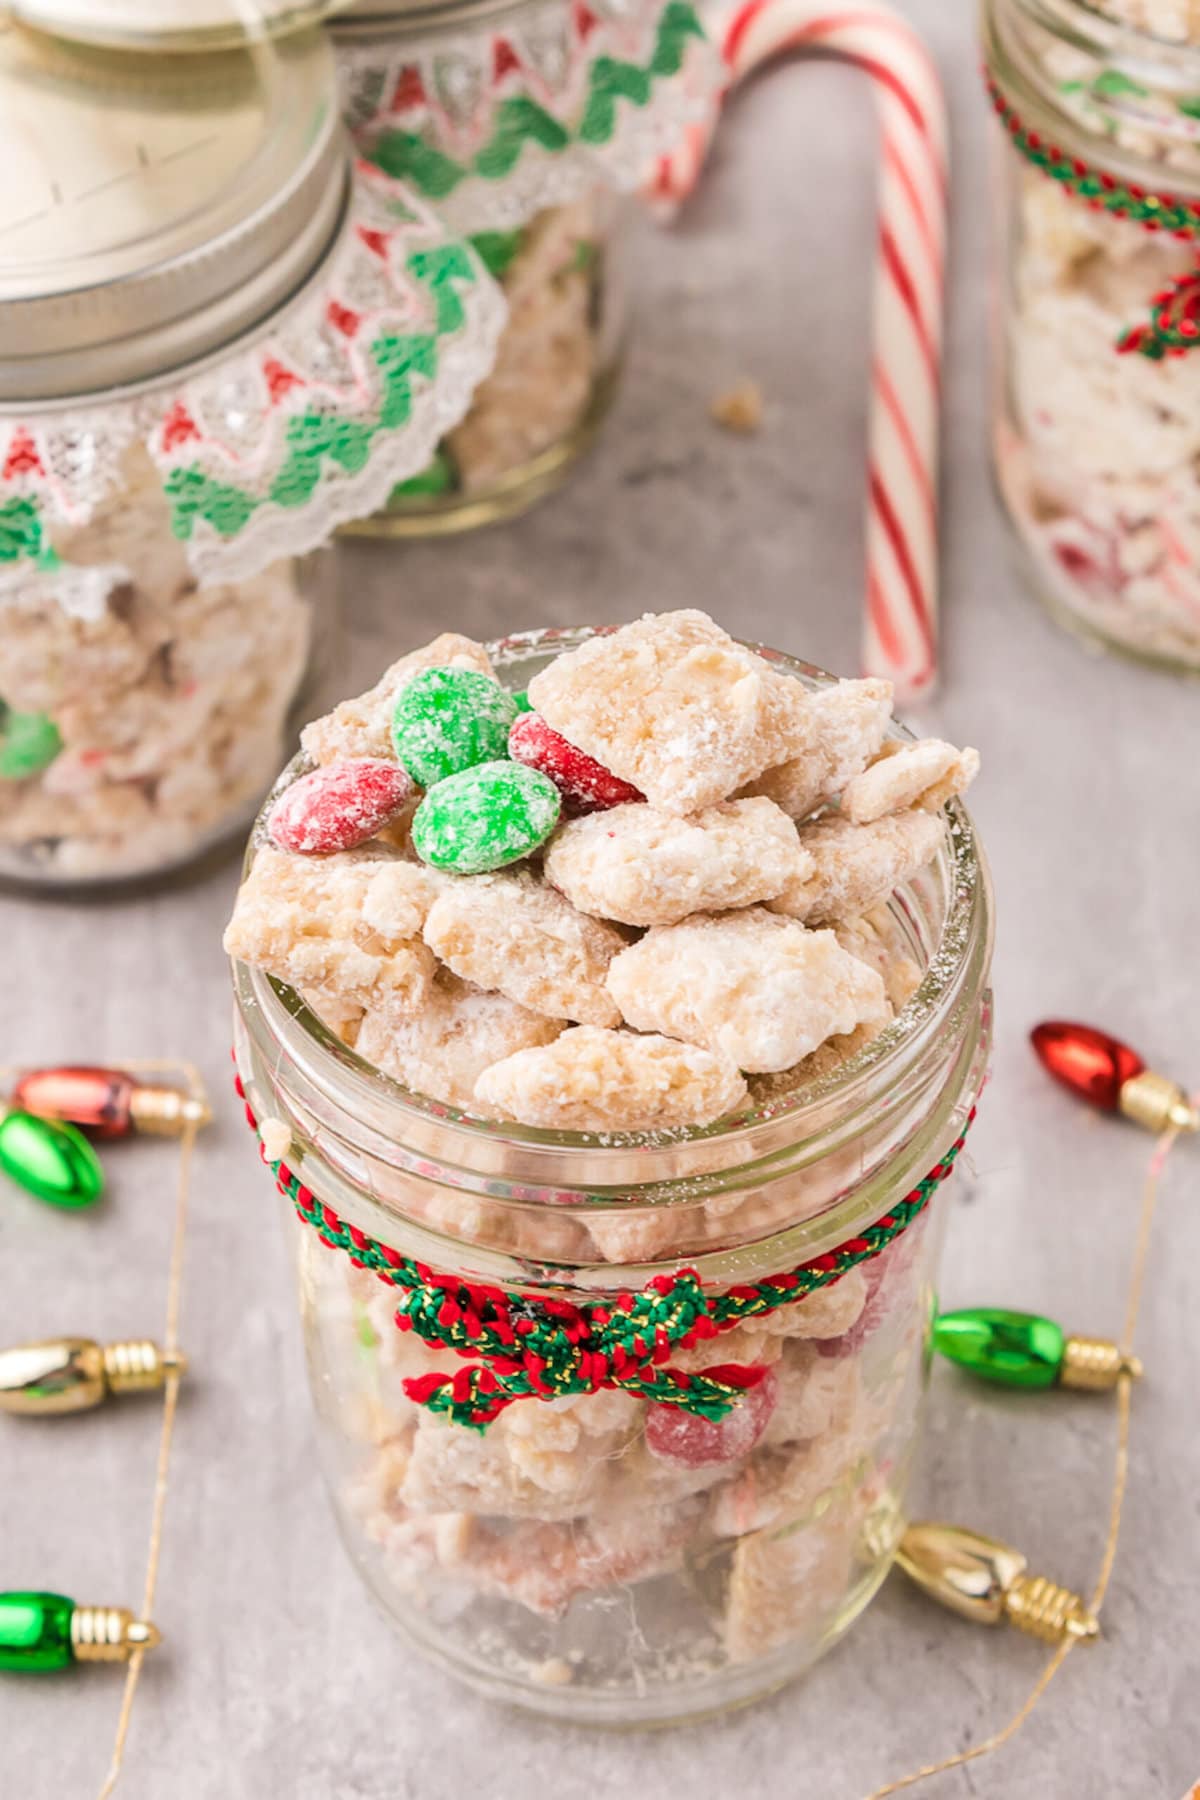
{"x":154,"y":210}
{"x":172,"y":25}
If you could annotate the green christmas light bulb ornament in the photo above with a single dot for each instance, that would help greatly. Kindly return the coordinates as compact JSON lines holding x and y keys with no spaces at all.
{"x":42,"y":1633}
{"x":51,"y":1160}
{"x":1024,"y":1350}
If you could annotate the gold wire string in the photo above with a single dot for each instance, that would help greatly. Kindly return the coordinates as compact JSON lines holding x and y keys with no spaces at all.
{"x":187,"y":1143}
{"x":1137,"y":1280}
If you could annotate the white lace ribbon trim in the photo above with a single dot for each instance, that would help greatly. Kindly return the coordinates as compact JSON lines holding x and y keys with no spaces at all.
{"x":265,"y":451}
{"x":449,"y":89}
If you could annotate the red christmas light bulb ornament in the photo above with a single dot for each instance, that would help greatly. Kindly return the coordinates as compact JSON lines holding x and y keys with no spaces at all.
{"x":1108,"y":1074}
{"x":1089,"y":1062}
{"x":108,"y":1103}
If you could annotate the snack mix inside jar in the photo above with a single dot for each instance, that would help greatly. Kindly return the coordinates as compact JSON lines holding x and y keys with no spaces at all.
{"x":221,"y":340}
{"x":611,"y":1009}
{"x":525,"y":124}
{"x":144,"y":696}
{"x":1098,"y":408}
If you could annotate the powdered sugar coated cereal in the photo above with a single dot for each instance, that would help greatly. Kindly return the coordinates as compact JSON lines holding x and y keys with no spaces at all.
{"x":642,"y":866}
{"x":848,"y":721}
{"x":926,"y":774}
{"x":512,"y":933}
{"x":458,"y":1033}
{"x":859,"y":866}
{"x":595,"y":1080}
{"x":758,"y":989}
{"x":675,"y":706}
{"x":348,"y":926}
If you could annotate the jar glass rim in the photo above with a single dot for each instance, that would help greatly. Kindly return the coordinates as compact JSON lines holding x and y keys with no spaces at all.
{"x":956,"y":971}
{"x":1125,"y":81}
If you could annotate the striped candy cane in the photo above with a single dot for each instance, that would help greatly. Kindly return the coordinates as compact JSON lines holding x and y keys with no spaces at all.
{"x":901,"y":634}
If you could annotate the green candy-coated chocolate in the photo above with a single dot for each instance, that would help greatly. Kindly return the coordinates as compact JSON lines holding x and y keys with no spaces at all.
{"x":447,"y":720}
{"x":50,"y":1159}
{"x":437,"y":477}
{"x":35,"y":1632}
{"x":29,"y":742}
{"x":497,"y":249}
{"x":485,"y":818}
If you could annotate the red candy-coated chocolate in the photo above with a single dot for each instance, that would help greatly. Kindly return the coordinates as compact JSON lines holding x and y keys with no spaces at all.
{"x":585,"y":785}
{"x":1089,"y":1062}
{"x":694,"y":1442}
{"x":339,"y":806}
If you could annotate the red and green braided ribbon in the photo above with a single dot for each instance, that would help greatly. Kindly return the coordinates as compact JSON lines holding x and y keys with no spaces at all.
{"x":527,"y":1347}
{"x":1174,"y":323}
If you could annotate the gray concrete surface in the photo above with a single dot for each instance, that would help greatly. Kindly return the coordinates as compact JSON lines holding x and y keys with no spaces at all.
{"x":278,"y":1680}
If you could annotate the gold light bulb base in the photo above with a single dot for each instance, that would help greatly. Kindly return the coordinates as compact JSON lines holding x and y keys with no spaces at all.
{"x":166,"y":1111}
{"x":70,"y":1374}
{"x":1042,"y":1609}
{"x":1157,"y":1103}
{"x":988,"y":1583}
{"x":1096,"y":1364}
{"x":110,"y":1634}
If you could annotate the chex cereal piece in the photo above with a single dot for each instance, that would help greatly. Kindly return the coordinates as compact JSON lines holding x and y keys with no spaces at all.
{"x":859,"y":866}
{"x":585,"y":785}
{"x":814,"y":1393}
{"x":642,"y":866}
{"x":875,"y":939}
{"x":346,"y":926}
{"x":848,"y":722}
{"x":466,"y":1471}
{"x":363,"y":726}
{"x":925,"y":774}
{"x":459,"y":1032}
{"x":674,"y":706}
{"x":514,"y":934}
{"x":595,"y":1080}
{"x":339,"y":806}
{"x":787,"y":1585}
{"x":748,"y":985}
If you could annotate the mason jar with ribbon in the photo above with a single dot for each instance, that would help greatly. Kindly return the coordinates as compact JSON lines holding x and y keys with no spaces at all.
{"x":222,"y":338}
{"x":619,"y":1425}
{"x":1097,"y":432}
{"x":524,"y":125}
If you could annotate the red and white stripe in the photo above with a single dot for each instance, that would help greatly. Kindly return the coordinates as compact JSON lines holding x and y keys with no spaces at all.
{"x":900,"y":637}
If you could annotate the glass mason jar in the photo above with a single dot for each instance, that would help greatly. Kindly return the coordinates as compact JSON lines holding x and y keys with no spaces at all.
{"x":551,"y":229}
{"x":144,"y":710}
{"x":599,"y":1556}
{"x":1097,"y":407}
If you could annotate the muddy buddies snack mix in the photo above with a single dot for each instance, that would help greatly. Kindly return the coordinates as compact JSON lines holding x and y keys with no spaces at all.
{"x":145,"y":720}
{"x":639,"y":974}
{"x":1096,"y":440}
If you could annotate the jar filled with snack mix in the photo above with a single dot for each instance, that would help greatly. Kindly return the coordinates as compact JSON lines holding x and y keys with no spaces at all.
{"x":618,"y":1336}
{"x":1097,"y":419}
{"x":524,"y":124}
{"x":219,"y":342}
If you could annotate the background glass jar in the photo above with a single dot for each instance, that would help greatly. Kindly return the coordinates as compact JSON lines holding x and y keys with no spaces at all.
{"x":554,"y":377}
{"x":599,"y":1557}
{"x":495,"y":110}
{"x":1098,"y":447}
{"x":143,"y":711}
